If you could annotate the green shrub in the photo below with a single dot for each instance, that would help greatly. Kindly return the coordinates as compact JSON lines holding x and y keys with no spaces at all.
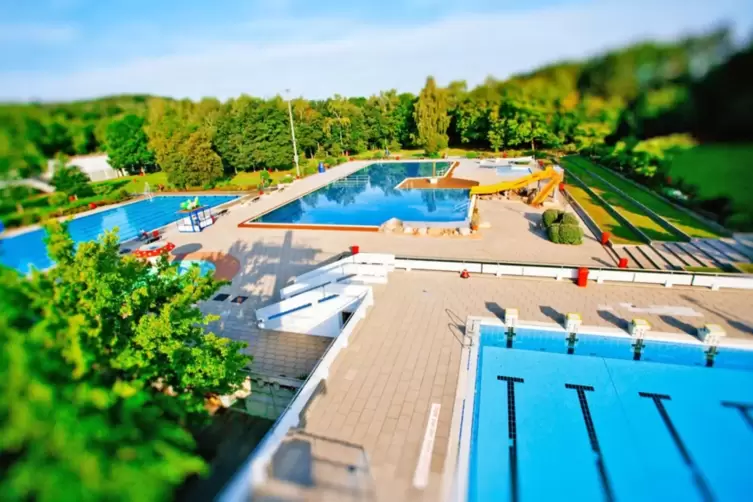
{"x":378,"y":155}
{"x":550,"y":216}
{"x":103,"y":188}
{"x":553,"y":232}
{"x":57,"y":199}
{"x":471,"y":155}
{"x":71,"y":180}
{"x":329,"y":161}
{"x":122,"y":195}
{"x":342,"y":160}
{"x":569,"y":219}
{"x":570,"y":234}
{"x":265,"y":178}
{"x":309,"y":170}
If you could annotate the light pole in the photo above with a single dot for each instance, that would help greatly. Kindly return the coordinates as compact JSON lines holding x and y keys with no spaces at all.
{"x":292,"y":135}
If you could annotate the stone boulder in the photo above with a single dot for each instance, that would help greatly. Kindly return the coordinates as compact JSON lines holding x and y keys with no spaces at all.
{"x":464,"y":231}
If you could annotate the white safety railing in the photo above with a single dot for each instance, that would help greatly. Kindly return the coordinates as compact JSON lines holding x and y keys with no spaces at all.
{"x":597,"y":274}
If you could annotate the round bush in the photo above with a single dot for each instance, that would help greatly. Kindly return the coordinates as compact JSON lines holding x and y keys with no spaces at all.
{"x":570,"y":234}
{"x":569,"y":219}
{"x":553,"y":231}
{"x":471,"y":155}
{"x":57,"y":199}
{"x":549,"y":217}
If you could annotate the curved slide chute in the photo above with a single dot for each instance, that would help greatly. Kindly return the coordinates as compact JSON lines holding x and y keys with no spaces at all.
{"x":551,"y":174}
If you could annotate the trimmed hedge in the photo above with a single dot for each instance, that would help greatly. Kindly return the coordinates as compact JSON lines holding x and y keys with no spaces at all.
{"x":561,"y":227}
{"x":569,"y":219}
{"x":570,"y":234}
{"x":550,"y":216}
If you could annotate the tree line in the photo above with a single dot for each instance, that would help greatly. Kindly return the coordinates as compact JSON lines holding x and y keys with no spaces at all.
{"x":622,"y":97}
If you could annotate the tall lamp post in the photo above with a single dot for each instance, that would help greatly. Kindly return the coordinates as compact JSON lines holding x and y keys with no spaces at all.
{"x":292,"y":135}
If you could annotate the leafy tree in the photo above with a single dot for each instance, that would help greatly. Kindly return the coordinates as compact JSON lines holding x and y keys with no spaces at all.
{"x":431,"y":117}
{"x":106,"y":367}
{"x":70,"y":179}
{"x":127,"y":145}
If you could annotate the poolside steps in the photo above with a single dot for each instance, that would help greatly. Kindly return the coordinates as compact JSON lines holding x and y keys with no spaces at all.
{"x":656,"y":260}
{"x":730,"y":252}
{"x":669,"y":258}
{"x":678,"y":254}
{"x":636,"y":257}
{"x":696,"y":256}
{"x":739,"y":246}
{"x":714,"y":254}
{"x":313,"y":467}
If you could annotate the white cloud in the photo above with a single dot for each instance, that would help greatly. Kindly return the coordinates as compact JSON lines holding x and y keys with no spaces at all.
{"x":37,"y":34}
{"x":363,"y":58}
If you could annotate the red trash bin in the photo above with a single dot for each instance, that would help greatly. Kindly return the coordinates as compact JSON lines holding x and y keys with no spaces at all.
{"x":605,"y":238}
{"x":355,"y":249}
{"x":623,"y":263}
{"x":582,"y":277}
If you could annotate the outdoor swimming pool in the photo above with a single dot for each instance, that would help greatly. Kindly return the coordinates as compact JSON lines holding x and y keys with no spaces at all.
{"x":596,"y":425}
{"x":370,"y":197}
{"x":27,"y":250}
{"x":206,"y":267}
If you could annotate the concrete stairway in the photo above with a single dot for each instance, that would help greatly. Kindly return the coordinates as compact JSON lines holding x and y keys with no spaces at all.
{"x":315,"y":468}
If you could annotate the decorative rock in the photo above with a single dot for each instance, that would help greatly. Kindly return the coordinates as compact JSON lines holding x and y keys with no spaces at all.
{"x":485,"y":224}
{"x":392,"y":224}
{"x":407,"y":230}
{"x":421,"y":231}
{"x":464,"y":231}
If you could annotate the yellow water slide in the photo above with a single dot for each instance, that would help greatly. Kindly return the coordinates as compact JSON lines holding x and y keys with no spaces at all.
{"x":522,"y":182}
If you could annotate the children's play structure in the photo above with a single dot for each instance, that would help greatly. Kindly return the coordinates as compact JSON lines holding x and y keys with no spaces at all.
{"x":552,"y":174}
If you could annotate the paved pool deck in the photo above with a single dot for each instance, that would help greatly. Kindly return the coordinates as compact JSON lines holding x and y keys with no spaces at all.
{"x":404,"y":357}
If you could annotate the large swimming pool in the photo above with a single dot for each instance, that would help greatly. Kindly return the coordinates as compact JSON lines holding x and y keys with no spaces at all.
{"x":27,"y":250}
{"x":596,"y":425}
{"x":370,"y":197}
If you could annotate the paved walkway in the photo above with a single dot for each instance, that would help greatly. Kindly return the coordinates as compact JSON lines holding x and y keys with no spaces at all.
{"x":405,"y":356}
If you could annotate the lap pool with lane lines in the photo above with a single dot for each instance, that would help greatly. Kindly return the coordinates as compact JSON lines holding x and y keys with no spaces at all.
{"x":369,"y":197}
{"x":552,"y":426}
{"x":28,"y":250}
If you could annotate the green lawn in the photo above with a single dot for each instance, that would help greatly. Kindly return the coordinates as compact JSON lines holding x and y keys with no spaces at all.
{"x":606,"y":222}
{"x":252,"y":179}
{"x":680,"y":219}
{"x":136,"y":184}
{"x":711,"y":270}
{"x":720,"y":171}
{"x":625,"y":207}
{"x":745,"y":267}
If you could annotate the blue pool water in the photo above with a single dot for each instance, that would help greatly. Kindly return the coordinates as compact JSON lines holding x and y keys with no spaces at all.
{"x":205,"y":267}
{"x":369,"y":197}
{"x":28,"y":250}
{"x":513,"y":172}
{"x":597,"y":425}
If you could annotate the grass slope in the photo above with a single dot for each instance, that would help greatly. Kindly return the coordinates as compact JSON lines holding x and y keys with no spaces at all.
{"x":680,"y":219}
{"x":625,"y":207}
{"x":606,"y":222}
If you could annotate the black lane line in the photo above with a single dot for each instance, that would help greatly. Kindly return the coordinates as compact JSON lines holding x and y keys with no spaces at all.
{"x":743,"y":408}
{"x":583,"y":400}
{"x":697,"y":476}
{"x":512,"y":434}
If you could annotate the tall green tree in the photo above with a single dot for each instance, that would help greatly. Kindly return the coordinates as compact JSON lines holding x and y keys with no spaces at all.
{"x":180,"y":134}
{"x":106,"y":365}
{"x":431,"y":117}
{"x":127,"y":145}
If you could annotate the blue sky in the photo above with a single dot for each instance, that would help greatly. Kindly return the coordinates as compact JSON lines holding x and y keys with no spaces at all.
{"x":68,"y":49}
